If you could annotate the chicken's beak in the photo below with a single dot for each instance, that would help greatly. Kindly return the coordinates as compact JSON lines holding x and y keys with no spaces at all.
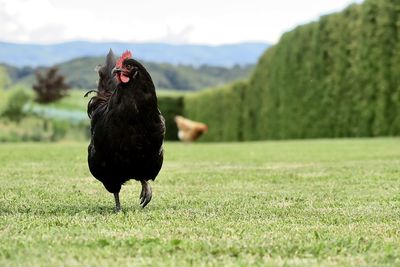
{"x":116,"y":70}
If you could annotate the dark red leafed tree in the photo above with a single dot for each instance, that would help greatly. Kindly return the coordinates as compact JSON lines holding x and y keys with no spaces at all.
{"x":50,"y":86}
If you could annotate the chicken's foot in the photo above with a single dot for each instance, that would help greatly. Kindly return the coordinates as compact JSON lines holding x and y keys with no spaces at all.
{"x":146,"y":194}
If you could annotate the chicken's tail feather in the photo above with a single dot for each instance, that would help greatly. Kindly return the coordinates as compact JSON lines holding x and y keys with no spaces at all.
{"x":106,"y":84}
{"x":89,"y":92}
{"x":106,"y":78}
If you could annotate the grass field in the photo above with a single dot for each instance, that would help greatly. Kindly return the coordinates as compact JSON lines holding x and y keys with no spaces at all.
{"x":289,"y":203}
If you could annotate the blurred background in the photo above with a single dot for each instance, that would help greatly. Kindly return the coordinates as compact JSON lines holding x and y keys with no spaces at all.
{"x":249,"y":71}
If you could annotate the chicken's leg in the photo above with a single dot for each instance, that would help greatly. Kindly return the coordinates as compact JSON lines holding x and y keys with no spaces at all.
{"x":117,"y":204}
{"x":146,"y":194}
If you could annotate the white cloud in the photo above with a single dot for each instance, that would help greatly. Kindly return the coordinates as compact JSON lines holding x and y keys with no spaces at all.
{"x":206,"y":21}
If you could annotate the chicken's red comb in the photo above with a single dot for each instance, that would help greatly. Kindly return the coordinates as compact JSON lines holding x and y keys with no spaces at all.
{"x":125,"y":55}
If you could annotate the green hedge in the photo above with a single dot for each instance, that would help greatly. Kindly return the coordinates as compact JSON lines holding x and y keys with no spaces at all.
{"x":221,"y":109}
{"x":170,"y":105}
{"x":337,"y":77}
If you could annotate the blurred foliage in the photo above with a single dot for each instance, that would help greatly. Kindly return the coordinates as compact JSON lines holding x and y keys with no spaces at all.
{"x":22,"y":120}
{"x":16,"y":102}
{"x":4,"y":82}
{"x":80,"y":74}
{"x":338,"y":77}
{"x":4,"y":78}
{"x":36,"y":129}
{"x":65,"y":119}
{"x":50,"y":86}
{"x":170,"y":105}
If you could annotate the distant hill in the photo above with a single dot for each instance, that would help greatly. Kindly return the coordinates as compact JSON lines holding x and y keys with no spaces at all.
{"x":80,"y":74}
{"x":46,"y":55}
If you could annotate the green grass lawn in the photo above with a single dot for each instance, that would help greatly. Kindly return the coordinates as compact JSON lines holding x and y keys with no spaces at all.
{"x":291,"y":203}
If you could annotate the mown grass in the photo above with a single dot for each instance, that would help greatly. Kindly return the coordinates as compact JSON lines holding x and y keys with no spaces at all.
{"x":289,"y":203}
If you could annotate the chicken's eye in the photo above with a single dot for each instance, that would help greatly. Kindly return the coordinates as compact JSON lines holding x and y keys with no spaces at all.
{"x":129,"y":67}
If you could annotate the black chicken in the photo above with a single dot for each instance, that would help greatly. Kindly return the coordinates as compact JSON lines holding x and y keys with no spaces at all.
{"x":127,"y":129}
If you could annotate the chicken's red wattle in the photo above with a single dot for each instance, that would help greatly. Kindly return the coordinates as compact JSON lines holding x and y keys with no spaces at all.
{"x":124,"y":78}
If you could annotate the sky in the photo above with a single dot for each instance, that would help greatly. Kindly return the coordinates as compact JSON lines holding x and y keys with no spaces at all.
{"x":174,"y":21}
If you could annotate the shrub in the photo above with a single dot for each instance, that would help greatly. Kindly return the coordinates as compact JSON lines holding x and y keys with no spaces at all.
{"x":14,"y":110}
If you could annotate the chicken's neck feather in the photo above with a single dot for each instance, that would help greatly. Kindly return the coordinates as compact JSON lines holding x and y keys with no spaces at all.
{"x":136,"y":99}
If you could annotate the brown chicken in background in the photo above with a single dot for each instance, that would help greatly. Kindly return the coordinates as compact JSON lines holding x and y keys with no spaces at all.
{"x":189,"y":131}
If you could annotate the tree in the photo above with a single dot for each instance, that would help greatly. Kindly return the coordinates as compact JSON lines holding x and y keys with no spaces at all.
{"x":50,"y":86}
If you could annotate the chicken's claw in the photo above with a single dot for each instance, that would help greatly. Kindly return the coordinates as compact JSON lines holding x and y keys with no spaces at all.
{"x":146,"y":194}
